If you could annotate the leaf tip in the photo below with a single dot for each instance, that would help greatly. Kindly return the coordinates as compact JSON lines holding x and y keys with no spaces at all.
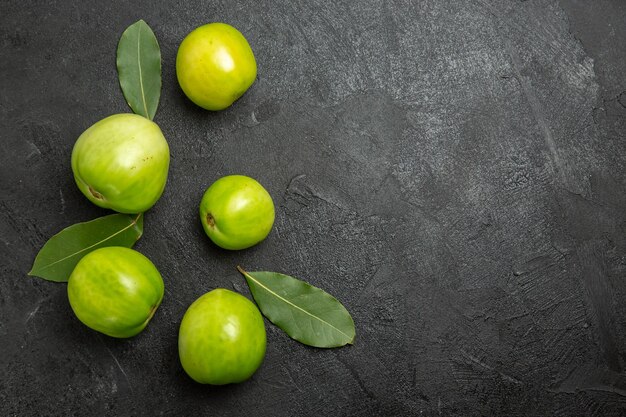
{"x":139,"y":22}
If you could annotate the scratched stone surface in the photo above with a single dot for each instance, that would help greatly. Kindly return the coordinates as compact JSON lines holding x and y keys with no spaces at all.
{"x":452,"y":171}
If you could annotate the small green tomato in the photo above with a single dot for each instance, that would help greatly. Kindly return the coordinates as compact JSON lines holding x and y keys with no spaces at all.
{"x":222,"y":338}
{"x":121,"y":163}
{"x":215,"y":66}
{"x":236,"y":212}
{"x":115,"y":291}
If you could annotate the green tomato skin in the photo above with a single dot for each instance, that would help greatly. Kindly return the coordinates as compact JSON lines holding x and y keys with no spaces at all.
{"x":237,"y":212}
{"x":215,"y":66}
{"x":115,"y":291}
{"x":222,"y":338}
{"x":121,"y":163}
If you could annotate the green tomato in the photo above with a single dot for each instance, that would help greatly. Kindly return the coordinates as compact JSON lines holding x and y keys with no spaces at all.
{"x":215,"y":66}
{"x":115,"y":291}
{"x":236,"y":212}
{"x":121,"y":163}
{"x":221,"y":338}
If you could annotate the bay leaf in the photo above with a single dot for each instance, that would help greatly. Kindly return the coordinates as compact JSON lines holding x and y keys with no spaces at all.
{"x":60,"y":254}
{"x":306,"y":313}
{"x":139,"y":69}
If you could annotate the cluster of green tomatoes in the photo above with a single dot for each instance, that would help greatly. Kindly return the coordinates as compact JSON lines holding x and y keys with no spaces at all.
{"x":121,"y":163}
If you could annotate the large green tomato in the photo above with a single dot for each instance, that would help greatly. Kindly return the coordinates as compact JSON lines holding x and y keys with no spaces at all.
{"x":236,"y":212}
{"x":221,"y":338}
{"x":121,"y":163}
{"x":215,"y":66}
{"x":115,"y":291}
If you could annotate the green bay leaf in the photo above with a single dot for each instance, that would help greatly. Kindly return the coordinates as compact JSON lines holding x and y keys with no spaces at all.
{"x":306,"y":313}
{"x":139,"y":68}
{"x":58,"y":257}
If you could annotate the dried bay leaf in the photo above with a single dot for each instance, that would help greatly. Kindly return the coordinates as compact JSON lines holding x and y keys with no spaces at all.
{"x":306,"y":313}
{"x":58,"y":257}
{"x":139,"y":69}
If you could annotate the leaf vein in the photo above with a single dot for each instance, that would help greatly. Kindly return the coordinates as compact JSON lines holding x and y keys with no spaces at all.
{"x":143,"y":94}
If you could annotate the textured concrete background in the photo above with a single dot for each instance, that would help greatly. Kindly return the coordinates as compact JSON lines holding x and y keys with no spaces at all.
{"x":453,"y":171}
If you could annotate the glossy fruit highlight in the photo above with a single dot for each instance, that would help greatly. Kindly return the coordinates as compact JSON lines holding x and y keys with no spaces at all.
{"x":115,"y":291}
{"x":121,"y":163}
{"x":236,"y":212}
{"x":222,"y":338}
{"x":215,"y":66}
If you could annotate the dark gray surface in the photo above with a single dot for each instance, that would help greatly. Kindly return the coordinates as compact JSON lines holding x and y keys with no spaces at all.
{"x":453,"y":171}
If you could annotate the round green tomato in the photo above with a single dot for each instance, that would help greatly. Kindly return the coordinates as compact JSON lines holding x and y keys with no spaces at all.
{"x":115,"y":291}
{"x":221,"y":338}
{"x":215,"y":66}
{"x":236,"y":212}
{"x":121,"y":163}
